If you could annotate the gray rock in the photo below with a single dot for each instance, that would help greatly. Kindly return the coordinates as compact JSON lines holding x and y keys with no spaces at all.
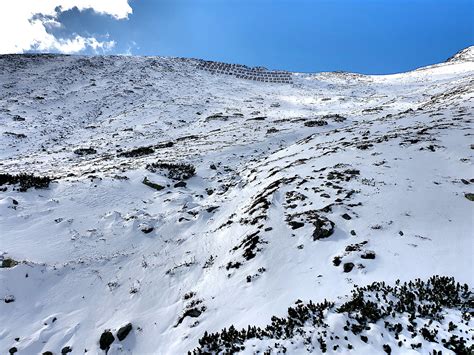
{"x":469,"y":196}
{"x":123,"y":331}
{"x":66,"y":349}
{"x":348,"y":267}
{"x":324,"y":228}
{"x":180,"y":184}
{"x":106,"y":339}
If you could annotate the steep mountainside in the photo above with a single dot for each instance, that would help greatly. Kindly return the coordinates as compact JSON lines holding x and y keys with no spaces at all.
{"x":183,"y":201}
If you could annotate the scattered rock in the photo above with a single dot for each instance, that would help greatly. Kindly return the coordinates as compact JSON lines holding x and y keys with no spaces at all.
{"x":348,"y":267}
{"x":12,"y":350}
{"x":123,"y":331}
{"x":295,"y":224}
{"x":336,"y":117}
{"x":153,"y":185}
{"x":469,"y":196}
{"x":66,"y":349}
{"x":180,"y":171}
{"x":8,"y":263}
{"x":387,"y":348}
{"x":180,"y":184}
{"x":324,"y":228}
{"x":368,"y":255}
{"x":9,"y":299}
{"x":355,"y":247}
{"x":15,"y":135}
{"x":346,"y":216}
{"x":212,"y":208}
{"x":193,"y":312}
{"x":145,"y":228}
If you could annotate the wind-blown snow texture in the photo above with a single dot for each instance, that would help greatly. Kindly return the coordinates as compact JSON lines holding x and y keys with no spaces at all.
{"x":300,"y":191}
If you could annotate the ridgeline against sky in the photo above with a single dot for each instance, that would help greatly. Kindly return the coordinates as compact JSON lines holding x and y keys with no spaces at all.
{"x":365,"y":36}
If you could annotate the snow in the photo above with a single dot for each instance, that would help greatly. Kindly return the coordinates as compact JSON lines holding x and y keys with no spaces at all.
{"x":85,"y":261}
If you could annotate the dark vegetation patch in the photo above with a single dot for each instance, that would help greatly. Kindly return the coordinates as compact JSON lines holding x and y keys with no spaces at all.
{"x":146,"y":150}
{"x":85,"y":151}
{"x":25,"y":181}
{"x":334,"y":116}
{"x":187,"y":138}
{"x":163,"y":145}
{"x":420,"y":301}
{"x":179,"y":171}
{"x":315,"y":123}
{"x":250,"y":245}
{"x":260,"y":201}
{"x":137,"y":152}
{"x":217,"y":116}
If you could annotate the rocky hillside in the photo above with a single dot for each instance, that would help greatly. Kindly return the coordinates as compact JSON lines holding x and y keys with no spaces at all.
{"x":149,"y":206}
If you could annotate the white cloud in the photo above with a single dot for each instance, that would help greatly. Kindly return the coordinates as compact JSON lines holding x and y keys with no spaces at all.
{"x":21,"y":30}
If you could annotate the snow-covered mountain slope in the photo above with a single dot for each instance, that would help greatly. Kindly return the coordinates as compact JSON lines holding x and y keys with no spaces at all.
{"x":282,"y":192}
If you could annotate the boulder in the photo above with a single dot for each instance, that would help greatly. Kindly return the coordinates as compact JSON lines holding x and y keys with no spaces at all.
{"x":106,"y":339}
{"x":348,"y":267}
{"x":66,"y":349}
{"x":469,"y":196}
{"x":295,"y":224}
{"x":180,"y":184}
{"x":123,"y":331}
{"x":368,"y":255}
{"x":324,"y":228}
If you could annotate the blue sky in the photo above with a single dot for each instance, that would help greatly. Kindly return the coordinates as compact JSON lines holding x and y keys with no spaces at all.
{"x":366,"y":36}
